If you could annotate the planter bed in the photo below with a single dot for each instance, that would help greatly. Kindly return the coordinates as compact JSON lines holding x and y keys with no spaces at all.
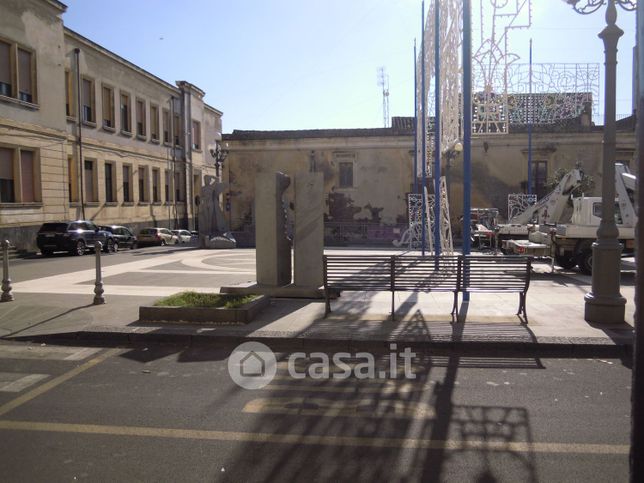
{"x":204,"y":315}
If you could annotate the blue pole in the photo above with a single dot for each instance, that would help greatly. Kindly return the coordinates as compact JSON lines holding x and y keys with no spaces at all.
{"x":415,"y":123}
{"x":467,"y":127}
{"x":437,"y":133}
{"x":529,"y":119}
{"x":424,"y":132}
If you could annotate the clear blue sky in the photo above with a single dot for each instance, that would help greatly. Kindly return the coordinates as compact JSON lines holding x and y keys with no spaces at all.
{"x":306,"y":64}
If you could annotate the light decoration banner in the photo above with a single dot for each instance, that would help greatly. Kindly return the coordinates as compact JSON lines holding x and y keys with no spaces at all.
{"x":491,"y":62}
{"x":559,"y":92}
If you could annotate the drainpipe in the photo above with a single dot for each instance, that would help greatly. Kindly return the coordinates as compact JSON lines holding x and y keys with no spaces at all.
{"x":174,"y":162}
{"x":79,"y":136}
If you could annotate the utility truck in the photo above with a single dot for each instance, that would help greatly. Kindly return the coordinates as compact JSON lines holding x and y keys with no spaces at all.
{"x":571,"y":244}
{"x":548,"y":210}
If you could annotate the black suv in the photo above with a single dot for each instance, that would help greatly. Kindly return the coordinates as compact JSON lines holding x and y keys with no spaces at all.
{"x":123,"y":236}
{"x":72,"y":236}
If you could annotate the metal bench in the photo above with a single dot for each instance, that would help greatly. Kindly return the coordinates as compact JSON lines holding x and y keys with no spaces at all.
{"x":496,"y":274}
{"x":406,"y":273}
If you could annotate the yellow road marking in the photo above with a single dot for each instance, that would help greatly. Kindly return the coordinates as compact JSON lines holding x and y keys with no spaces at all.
{"x":28,"y":396}
{"x":308,"y":406}
{"x":405,"y":388}
{"x":309,"y":439}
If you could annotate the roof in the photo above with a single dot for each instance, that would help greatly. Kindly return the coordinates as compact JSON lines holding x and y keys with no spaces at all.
{"x":242,"y":135}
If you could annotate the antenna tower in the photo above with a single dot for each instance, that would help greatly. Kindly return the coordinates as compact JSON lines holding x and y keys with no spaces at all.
{"x":383,"y":82}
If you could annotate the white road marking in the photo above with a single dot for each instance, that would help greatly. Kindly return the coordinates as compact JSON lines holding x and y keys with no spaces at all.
{"x":46,"y":352}
{"x":17,"y":381}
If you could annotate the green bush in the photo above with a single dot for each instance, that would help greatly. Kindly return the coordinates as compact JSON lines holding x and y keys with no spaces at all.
{"x":197,"y":299}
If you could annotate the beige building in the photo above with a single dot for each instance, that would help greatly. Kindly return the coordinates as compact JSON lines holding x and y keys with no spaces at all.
{"x":368,"y":173}
{"x":86,"y":134}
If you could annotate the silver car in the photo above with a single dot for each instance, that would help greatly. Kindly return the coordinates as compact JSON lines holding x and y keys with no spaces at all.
{"x":184,"y":236}
{"x":156,"y":236}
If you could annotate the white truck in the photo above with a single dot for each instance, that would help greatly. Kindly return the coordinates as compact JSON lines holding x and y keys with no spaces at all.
{"x":548,"y":210}
{"x":571,"y":244}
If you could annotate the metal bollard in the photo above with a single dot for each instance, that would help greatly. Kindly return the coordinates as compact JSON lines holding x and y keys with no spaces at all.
{"x":7,"y":296}
{"x":98,"y":286}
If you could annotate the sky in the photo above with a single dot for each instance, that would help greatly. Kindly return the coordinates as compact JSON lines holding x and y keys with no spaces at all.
{"x":313,"y":64}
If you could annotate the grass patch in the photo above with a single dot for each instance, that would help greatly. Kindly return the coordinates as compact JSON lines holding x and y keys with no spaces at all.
{"x":196,"y":299}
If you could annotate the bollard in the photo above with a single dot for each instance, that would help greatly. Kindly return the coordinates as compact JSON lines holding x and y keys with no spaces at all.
{"x":7,"y":296}
{"x":98,"y":286}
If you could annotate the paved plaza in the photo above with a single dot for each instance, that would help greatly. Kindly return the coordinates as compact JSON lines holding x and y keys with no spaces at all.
{"x":54,"y":297}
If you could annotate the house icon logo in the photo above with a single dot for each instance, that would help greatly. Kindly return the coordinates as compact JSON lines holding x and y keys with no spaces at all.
{"x":252,"y":365}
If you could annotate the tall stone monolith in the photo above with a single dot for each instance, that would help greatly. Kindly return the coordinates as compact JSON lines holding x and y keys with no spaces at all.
{"x":309,"y":229}
{"x":273,"y":246}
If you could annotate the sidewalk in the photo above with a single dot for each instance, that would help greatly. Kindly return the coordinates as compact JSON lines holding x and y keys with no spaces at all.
{"x":360,"y":320}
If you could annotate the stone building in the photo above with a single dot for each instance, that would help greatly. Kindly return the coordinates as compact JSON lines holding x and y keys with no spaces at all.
{"x":369,"y":172}
{"x":86,"y":134}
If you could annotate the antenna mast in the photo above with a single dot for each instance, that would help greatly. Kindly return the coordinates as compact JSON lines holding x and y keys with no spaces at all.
{"x":383,"y":82}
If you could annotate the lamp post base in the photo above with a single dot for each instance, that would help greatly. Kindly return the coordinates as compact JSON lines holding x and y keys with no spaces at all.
{"x":605,"y":304}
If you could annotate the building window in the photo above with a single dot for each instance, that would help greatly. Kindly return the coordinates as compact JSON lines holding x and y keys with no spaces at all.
{"x":6,"y":86}
{"x":69,"y":94}
{"x":156,"y":181}
{"x":27,"y":178}
{"x":109,"y":183}
{"x":143,"y":184}
{"x":108,"y":107}
{"x":72,"y":179}
{"x":178,"y":185}
{"x":127,"y":183}
{"x":177,"y":130}
{"x":87,"y":100}
{"x":167,"y":185}
{"x":17,"y":72}
{"x":196,"y":135}
{"x":166,"y":126}
{"x":140,"y":118}
{"x":346,"y":174}
{"x":90,"y":185}
{"x":18,"y":176}
{"x":7,"y":193}
{"x":125,"y":113}
{"x":154,"y":122}
{"x":26,"y":67}
{"x":539,"y":178}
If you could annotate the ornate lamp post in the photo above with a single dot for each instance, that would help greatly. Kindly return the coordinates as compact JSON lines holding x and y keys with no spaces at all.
{"x":605,"y":304}
{"x":220,"y":154}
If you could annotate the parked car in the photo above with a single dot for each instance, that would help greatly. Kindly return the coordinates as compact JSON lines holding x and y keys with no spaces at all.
{"x":156,"y":236}
{"x":184,"y":236}
{"x":74,"y":237}
{"x":123,"y":236}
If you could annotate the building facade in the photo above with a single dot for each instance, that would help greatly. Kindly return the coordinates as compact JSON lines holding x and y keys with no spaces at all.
{"x":368,"y":173}
{"x":86,"y":134}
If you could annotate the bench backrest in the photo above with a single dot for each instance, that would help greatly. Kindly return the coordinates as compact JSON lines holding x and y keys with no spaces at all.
{"x":495,"y":273}
{"x":351,"y":272}
{"x":426,"y":273}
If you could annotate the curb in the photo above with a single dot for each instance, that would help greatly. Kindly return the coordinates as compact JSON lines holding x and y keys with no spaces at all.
{"x":547,"y":347}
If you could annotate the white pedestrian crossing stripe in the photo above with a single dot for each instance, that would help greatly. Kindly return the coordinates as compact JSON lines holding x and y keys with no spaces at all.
{"x":19,"y":381}
{"x":46,"y":352}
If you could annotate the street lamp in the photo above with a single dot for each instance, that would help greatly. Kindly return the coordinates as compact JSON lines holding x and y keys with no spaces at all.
{"x":605,"y":304}
{"x":220,"y":154}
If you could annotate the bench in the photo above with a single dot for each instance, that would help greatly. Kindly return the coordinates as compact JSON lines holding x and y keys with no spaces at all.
{"x":407,"y":273}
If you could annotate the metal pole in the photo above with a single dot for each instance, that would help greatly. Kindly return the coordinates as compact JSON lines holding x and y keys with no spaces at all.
{"x":529,"y":122}
{"x":605,"y":304}
{"x":437,"y":133}
{"x":415,"y":122}
{"x":637,"y":394}
{"x":79,"y":127}
{"x":7,"y":296}
{"x":467,"y":125}
{"x":98,"y":285}
{"x":424,"y":132}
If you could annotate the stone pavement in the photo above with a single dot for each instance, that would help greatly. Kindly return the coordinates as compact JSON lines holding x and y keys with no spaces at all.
{"x":58,"y":307}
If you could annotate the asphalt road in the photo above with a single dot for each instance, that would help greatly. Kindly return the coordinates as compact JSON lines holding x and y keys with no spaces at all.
{"x":167,"y":413}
